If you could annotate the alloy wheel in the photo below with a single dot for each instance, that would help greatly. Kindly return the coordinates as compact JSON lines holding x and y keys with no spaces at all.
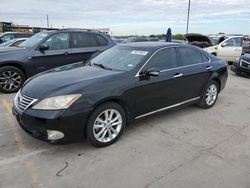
{"x":211,"y":94}
{"x":10,"y":80}
{"x":107,"y":125}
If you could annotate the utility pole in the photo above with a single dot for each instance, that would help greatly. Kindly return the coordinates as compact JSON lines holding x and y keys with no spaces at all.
{"x":47,"y":21}
{"x":189,"y":1}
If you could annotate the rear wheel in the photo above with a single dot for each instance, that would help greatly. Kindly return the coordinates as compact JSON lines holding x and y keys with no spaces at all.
{"x":11,"y":79}
{"x":106,"y":124}
{"x":209,"y":95}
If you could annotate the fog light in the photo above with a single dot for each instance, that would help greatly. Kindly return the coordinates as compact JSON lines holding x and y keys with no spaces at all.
{"x":54,"y":135}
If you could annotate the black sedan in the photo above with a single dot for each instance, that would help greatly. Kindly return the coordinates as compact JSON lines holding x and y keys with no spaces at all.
{"x":126,"y":82}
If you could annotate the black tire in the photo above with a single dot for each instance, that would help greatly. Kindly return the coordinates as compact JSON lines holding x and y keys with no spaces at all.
{"x":96,"y":113}
{"x":16,"y":78}
{"x":203,"y":102}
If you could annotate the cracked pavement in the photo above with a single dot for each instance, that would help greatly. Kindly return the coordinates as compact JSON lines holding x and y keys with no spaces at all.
{"x":188,"y":147}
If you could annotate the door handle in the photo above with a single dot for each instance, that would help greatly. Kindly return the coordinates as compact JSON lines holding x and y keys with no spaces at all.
{"x":66,"y":53}
{"x":209,"y":67}
{"x":177,"y":75}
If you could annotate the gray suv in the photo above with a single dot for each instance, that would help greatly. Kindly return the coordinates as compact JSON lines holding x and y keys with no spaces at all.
{"x":47,"y":50}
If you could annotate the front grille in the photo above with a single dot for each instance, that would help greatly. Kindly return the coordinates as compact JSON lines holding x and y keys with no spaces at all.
{"x":22,"y":102}
{"x":244,"y":64}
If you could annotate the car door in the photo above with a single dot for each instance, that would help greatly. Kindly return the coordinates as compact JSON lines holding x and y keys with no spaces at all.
{"x":230,"y":49}
{"x":84,"y":46}
{"x":195,"y":71}
{"x":57,"y":54}
{"x":153,"y":93}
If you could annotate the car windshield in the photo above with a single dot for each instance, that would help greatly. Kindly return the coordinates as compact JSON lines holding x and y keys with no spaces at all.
{"x":34,"y":40}
{"x":119,"y":58}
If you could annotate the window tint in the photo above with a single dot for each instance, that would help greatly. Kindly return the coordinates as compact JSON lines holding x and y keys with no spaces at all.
{"x":164,"y":59}
{"x":101,"y":40}
{"x":80,"y":40}
{"x":236,"y":42}
{"x":190,"y":56}
{"x":58,"y":41}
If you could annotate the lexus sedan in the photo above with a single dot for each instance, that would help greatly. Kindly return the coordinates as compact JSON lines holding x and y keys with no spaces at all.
{"x":126,"y":82}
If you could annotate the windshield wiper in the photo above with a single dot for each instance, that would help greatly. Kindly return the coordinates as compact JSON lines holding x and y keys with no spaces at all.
{"x":102,"y":66}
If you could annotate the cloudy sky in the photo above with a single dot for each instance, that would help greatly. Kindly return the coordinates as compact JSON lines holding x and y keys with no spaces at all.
{"x":132,"y":16}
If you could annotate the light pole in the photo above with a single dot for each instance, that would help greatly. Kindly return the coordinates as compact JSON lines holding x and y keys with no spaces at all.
{"x":189,"y":1}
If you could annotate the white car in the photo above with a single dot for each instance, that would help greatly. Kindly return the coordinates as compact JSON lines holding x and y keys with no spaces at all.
{"x":229,"y":49}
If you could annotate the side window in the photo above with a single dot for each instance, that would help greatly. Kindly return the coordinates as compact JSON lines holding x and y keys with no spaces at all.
{"x":7,"y":37}
{"x":101,"y":41}
{"x":190,"y":56}
{"x":58,"y":41}
{"x":164,"y":59}
{"x":80,"y":40}
{"x":236,"y":42}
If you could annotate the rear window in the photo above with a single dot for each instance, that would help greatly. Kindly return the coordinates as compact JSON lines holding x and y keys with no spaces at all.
{"x":80,"y":40}
{"x":190,"y":56}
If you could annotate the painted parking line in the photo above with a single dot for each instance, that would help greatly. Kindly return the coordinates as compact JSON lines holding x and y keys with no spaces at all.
{"x":21,"y":146}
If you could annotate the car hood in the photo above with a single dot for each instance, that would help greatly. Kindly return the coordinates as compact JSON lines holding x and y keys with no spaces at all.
{"x":198,"y":40}
{"x":74,"y":78}
{"x":246,"y":57}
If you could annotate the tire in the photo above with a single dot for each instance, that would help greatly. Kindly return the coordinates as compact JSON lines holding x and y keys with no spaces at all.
{"x":99,"y":131}
{"x":212,"y":87}
{"x":11,"y":79}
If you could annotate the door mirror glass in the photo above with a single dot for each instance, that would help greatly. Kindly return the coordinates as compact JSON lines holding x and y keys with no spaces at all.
{"x":152,"y":72}
{"x":223,"y":44}
{"x":43,"y":47}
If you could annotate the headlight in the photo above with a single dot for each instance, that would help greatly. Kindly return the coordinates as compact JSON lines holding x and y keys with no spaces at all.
{"x":57,"y":103}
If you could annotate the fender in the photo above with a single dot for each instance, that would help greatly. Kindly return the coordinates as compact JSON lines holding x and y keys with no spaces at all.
{"x":16,"y":64}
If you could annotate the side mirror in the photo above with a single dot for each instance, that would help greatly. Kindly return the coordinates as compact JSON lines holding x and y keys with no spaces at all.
{"x":152,"y":72}
{"x":223,"y":44}
{"x":43,"y":47}
{"x":1,"y":40}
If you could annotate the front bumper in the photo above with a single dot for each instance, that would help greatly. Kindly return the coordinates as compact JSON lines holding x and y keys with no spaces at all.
{"x":237,"y":68}
{"x":70,"y":123}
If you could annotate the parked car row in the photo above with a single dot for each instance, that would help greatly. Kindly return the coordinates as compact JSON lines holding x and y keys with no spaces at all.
{"x":91,"y":88}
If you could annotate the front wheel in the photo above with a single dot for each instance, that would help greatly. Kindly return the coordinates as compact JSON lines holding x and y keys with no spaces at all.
{"x":209,"y":95}
{"x":106,"y":124}
{"x":11,"y":79}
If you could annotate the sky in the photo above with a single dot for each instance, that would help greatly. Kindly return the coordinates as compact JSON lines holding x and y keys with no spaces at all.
{"x":137,"y":17}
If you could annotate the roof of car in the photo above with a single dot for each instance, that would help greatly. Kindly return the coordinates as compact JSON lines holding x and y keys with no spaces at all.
{"x":151,"y":45}
{"x":73,"y":30}
{"x":10,"y":32}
